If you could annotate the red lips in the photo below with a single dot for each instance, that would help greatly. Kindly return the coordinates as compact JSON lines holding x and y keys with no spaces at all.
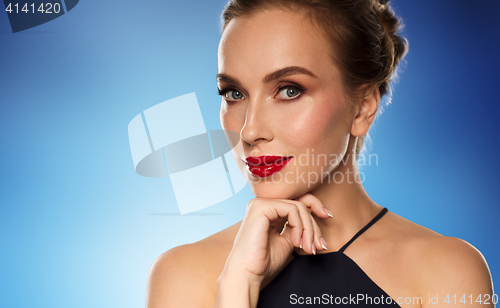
{"x":266,"y":165}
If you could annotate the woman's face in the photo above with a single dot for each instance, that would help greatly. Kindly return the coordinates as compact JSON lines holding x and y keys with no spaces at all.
{"x":303,"y":113}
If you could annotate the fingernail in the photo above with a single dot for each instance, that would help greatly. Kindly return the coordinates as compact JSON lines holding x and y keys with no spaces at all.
{"x":328,"y":212}
{"x":300,"y":244}
{"x":323,"y":243}
{"x":314,"y":248}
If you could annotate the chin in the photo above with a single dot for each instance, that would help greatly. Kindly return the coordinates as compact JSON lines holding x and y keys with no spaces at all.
{"x":272,"y":190}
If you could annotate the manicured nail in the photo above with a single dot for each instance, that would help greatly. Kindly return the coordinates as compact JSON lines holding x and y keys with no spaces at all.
{"x":314,"y":248}
{"x":323,"y":243}
{"x":328,"y":212}
{"x":300,"y":244}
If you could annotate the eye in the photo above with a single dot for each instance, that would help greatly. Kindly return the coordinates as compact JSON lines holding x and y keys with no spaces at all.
{"x":289,"y":92}
{"x":231,"y":94}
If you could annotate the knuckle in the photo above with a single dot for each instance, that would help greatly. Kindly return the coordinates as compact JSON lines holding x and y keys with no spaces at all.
{"x":250,"y":203}
{"x":254,"y":203}
{"x":301,"y":203}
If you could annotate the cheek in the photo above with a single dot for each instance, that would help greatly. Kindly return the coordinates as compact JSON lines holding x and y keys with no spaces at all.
{"x":320,"y":127}
{"x":223,"y":116}
{"x":229,"y":119}
{"x":231,"y":122}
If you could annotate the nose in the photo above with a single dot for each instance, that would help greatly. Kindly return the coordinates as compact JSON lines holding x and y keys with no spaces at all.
{"x":257,"y":127}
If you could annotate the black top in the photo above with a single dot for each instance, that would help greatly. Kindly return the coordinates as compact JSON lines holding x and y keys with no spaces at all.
{"x":325,"y":279}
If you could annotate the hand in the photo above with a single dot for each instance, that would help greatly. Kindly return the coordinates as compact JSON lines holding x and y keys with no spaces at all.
{"x":262,"y":246}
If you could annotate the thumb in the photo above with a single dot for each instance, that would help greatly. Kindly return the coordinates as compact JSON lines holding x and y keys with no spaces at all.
{"x":287,"y":231}
{"x":287,"y":235}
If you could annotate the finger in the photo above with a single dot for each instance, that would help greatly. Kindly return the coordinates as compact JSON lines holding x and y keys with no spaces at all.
{"x":279,"y":224}
{"x":292,"y":233}
{"x":285,"y":228}
{"x":288,"y":211}
{"x":316,"y":240}
{"x":308,"y":233}
{"x":315,"y":205}
{"x":318,"y":237}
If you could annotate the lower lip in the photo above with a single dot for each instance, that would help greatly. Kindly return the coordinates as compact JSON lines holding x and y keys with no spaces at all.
{"x":267,"y":170}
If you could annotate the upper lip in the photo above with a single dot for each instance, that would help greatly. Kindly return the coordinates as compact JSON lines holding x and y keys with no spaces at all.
{"x":264,"y":159}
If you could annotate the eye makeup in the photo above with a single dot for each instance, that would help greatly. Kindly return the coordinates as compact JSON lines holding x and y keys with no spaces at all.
{"x":284,"y":85}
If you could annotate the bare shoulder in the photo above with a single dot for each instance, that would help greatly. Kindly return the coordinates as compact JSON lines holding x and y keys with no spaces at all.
{"x":450,"y":265}
{"x":172,"y":274}
{"x":442,"y":264}
{"x":186,"y":275}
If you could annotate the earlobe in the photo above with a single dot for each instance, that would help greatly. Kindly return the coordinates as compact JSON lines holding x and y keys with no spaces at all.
{"x":365,"y":113}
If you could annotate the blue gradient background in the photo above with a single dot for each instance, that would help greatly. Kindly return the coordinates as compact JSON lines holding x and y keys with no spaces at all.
{"x":78,"y":226}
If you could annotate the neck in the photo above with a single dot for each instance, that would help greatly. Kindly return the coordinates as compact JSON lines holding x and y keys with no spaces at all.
{"x":348,"y":201}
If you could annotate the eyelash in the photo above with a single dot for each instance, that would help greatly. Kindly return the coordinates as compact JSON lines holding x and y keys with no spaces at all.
{"x":285,"y":85}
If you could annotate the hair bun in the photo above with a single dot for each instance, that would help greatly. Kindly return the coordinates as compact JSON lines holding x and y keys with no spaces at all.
{"x":387,"y":18}
{"x":396,"y":45}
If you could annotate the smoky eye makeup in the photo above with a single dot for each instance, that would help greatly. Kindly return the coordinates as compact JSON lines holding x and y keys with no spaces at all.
{"x":297,"y":90}
{"x":233,"y":93}
{"x":293,"y":92}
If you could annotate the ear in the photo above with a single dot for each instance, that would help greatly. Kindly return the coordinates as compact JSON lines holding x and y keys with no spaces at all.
{"x":366,"y":111}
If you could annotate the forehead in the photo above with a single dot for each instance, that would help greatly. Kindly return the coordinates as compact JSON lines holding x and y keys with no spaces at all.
{"x":270,"y":40}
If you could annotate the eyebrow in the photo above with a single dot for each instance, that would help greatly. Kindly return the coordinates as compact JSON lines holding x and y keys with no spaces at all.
{"x":286,"y":71}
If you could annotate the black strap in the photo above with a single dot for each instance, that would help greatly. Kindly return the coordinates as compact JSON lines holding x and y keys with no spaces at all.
{"x":368,"y":225}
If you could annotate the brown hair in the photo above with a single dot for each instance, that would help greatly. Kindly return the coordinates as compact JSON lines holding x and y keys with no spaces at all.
{"x":366,"y":32}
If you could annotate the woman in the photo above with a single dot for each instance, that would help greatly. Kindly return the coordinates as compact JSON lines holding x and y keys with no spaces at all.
{"x":301,"y":82}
